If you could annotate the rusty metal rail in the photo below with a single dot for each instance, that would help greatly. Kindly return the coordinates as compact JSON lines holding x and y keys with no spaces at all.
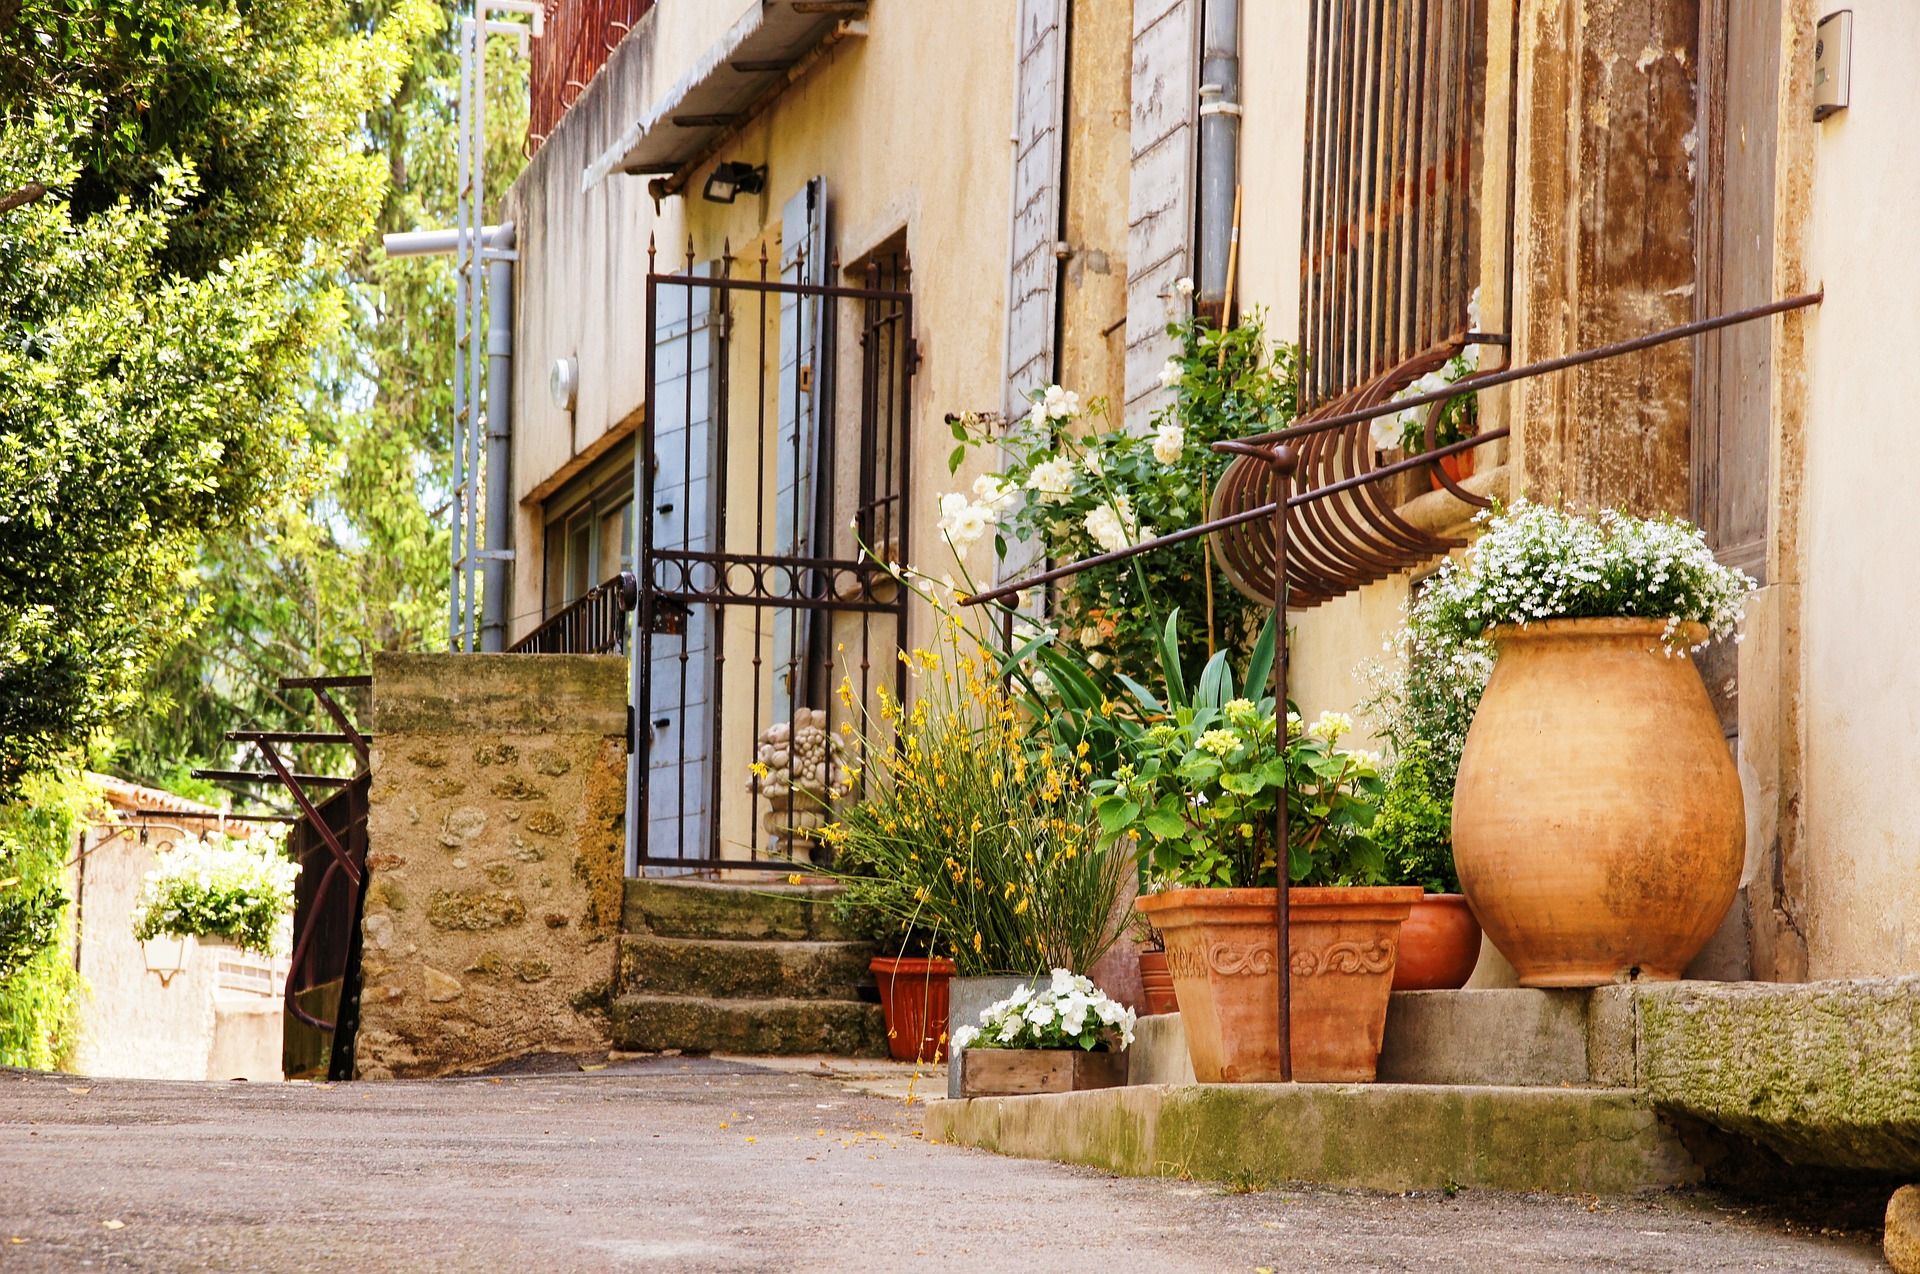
{"x":1266,"y":492}
{"x":595,"y":623}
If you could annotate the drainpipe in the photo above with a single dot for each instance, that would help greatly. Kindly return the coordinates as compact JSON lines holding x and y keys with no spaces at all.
{"x":499,"y":513}
{"x":1219,"y":151}
{"x":499,"y":524}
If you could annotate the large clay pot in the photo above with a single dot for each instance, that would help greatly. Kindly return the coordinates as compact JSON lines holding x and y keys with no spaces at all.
{"x":1597,"y":823}
{"x":1341,"y":949}
{"x":1439,"y":945}
{"x":913,"y":996}
{"x":1157,"y":981}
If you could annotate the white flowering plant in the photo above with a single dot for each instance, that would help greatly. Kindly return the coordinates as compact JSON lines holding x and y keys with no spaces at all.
{"x":218,"y":886}
{"x":1201,"y":788}
{"x":1073,"y":482}
{"x":1459,"y":417}
{"x":1066,"y":1012}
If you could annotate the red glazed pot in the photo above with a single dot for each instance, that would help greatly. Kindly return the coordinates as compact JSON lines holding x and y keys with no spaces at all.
{"x":1157,"y":980}
{"x":1439,"y":945}
{"x":913,"y":995}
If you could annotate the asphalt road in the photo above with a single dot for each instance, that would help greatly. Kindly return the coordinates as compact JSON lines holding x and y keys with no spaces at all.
{"x":699,"y":1165}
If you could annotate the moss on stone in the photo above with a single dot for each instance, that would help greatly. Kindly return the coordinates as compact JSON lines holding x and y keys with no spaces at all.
{"x":476,"y":909}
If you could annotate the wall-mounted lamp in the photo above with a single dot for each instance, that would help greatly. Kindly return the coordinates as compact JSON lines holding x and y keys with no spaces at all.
{"x":563,"y":383}
{"x":734,"y":178}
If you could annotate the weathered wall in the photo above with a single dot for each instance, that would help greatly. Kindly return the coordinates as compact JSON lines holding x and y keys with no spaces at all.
{"x":1604,"y":248}
{"x":1849,"y":192}
{"x":494,"y":856}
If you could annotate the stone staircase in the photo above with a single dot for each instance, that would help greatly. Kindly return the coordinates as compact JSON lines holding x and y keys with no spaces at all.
{"x":754,"y":969}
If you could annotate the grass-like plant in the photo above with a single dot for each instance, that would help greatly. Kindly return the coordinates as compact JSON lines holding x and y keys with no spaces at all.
{"x":971,"y":828}
{"x":217,"y":886}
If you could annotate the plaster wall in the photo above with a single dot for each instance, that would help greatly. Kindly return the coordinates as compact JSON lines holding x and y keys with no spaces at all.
{"x":494,"y":858}
{"x":191,"y":1026}
{"x":909,"y":126}
{"x":1853,"y":882}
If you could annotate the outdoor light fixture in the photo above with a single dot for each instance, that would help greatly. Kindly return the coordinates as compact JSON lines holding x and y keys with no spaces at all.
{"x":734,"y":178}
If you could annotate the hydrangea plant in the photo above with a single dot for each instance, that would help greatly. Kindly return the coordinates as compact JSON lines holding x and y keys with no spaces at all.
{"x":217,"y":886}
{"x":1068,"y":1012}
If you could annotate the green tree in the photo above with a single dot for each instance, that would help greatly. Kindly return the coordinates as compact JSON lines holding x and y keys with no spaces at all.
{"x":357,"y":561}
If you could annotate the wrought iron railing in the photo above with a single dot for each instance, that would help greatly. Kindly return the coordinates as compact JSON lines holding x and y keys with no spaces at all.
{"x":580,"y":36}
{"x":595,"y":624}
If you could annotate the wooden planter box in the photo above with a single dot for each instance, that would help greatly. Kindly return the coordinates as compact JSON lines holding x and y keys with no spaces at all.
{"x":1020,"y":1072}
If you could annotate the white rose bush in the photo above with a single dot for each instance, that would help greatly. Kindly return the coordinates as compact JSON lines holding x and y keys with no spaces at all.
{"x":1075,"y":483}
{"x":218,"y":886}
{"x":1066,"y":1012}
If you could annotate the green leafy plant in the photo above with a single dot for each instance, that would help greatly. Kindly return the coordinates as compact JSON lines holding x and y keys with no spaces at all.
{"x":218,"y":886}
{"x":1414,"y":829}
{"x":1203,"y":785}
{"x":39,"y":987}
{"x":1067,"y":1012}
{"x":1073,"y":483}
{"x":971,"y":833}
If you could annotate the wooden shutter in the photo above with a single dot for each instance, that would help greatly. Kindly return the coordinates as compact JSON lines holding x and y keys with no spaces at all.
{"x":1160,"y":208}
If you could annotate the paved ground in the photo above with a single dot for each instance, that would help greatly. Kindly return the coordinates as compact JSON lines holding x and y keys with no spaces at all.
{"x":708,"y":1164}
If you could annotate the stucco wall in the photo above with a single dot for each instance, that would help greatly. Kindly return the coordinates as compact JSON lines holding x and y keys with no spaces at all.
{"x":1857,"y":874}
{"x":493,"y":855}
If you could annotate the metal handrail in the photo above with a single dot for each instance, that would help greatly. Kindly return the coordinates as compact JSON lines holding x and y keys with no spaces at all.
{"x":593,"y":624}
{"x":1275,"y":450}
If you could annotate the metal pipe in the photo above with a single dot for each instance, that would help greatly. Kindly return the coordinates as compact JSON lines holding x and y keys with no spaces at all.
{"x":1219,"y":151}
{"x":499,"y":418}
{"x":440,"y":243}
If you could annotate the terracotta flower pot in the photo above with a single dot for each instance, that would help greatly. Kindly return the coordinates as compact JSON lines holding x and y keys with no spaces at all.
{"x":913,"y":995}
{"x":1598,"y":826}
{"x":1458,"y":466}
{"x":1157,"y":980}
{"x":1221,"y":950}
{"x":1439,"y":945}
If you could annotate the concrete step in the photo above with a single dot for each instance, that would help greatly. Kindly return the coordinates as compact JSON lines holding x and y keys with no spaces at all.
{"x":1512,"y":1035}
{"x":775,"y":910}
{"x":743,"y":969}
{"x":649,"y":1023}
{"x":1392,"y":1137}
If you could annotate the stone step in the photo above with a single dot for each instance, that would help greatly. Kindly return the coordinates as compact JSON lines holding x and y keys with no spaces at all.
{"x":775,"y":910}
{"x":1392,"y":1137}
{"x":845,"y":1028}
{"x":1513,"y":1035}
{"x":743,"y":968}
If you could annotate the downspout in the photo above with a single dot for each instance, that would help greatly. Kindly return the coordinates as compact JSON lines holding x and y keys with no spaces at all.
{"x":1219,"y":173}
{"x":499,"y":524}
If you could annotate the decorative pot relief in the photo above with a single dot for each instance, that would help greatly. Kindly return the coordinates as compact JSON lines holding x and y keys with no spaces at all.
{"x":1343,"y":957}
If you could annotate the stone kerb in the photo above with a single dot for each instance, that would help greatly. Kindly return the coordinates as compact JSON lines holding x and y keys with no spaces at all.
{"x":494,"y":856}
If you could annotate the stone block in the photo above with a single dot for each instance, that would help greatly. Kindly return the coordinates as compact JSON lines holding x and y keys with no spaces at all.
{"x":846,"y":1028}
{"x":774,"y":911}
{"x":1515,"y":1036}
{"x":494,"y":854}
{"x":1159,"y":1053}
{"x":1902,"y":1244}
{"x":742,"y":969}
{"x":1825,"y":1074}
{"x":1391,"y":1137}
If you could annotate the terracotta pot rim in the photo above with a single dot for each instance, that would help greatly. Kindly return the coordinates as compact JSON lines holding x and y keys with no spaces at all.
{"x":910,"y":964}
{"x":1297,"y":896}
{"x":1691,"y":634}
{"x":1451,"y":900}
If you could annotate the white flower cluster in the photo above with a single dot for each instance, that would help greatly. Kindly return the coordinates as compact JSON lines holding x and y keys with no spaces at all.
{"x":1534,"y":563}
{"x":1069,"y":1012}
{"x":1054,"y":403}
{"x":217,"y":886}
{"x":1113,"y":527}
{"x":1390,"y":431}
{"x":1168,"y":442}
{"x":964,"y":522}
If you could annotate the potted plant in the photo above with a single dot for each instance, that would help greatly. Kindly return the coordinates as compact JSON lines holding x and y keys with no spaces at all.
{"x":1062,"y":1037}
{"x":914,"y":998}
{"x":218,"y":888}
{"x":1598,"y":824}
{"x":973,"y":829}
{"x":1440,"y":939}
{"x":1202,"y":795}
{"x":1156,"y":980}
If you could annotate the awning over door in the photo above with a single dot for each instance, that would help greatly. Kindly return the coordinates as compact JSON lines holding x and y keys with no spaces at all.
{"x":727,"y":84}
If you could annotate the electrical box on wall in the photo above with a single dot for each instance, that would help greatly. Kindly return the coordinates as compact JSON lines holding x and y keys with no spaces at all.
{"x":1832,"y":63}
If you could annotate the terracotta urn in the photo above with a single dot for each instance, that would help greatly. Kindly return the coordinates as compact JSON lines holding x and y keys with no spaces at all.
{"x":1439,"y":945}
{"x":914,"y":998}
{"x":1221,"y":950}
{"x":1157,"y":981}
{"x":1598,"y":826}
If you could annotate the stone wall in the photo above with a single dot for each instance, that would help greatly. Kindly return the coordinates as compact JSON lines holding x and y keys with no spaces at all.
{"x":495,"y":858}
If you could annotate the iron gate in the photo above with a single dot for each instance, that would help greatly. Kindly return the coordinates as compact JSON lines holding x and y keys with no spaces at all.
{"x":772,"y":507}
